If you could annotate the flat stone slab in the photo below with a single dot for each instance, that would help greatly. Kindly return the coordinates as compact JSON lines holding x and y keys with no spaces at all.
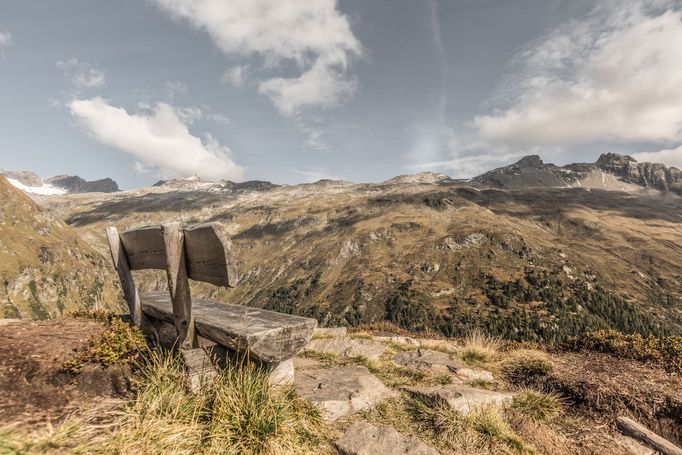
{"x":348,"y":347}
{"x":267,"y":335}
{"x":363,"y":438}
{"x":330,"y":332}
{"x":462,"y":398}
{"x":341,"y":391}
{"x":437,"y":362}
{"x":407,"y":341}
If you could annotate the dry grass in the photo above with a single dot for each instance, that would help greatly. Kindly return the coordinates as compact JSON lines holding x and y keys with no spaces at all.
{"x":482,"y":431}
{"x":537,"y":405}
{"x":480,"y":349}
{"x":525,"y":366}
{"x":239,"y":413}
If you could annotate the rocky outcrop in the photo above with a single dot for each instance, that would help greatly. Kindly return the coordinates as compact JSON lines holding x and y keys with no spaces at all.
{"x":348,"y":347}
{"x":27,"y":178}
{"x":340,"y":391}
{"x":364,"y":438}
{"x":653,"y":175}
{"x":75,"y":184}
{"x":605,"y":173}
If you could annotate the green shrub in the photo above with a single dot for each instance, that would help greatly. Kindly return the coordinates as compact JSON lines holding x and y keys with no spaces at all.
{"x":120,"y":342}
{"x":665,"y":351}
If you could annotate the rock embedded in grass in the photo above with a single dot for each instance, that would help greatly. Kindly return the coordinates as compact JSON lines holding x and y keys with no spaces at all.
{"x":436,"y":362}
{"x":461,"y":398}
{"x":341,"y":391}
{"x":348,"y":347}
{"x":365,"y":438}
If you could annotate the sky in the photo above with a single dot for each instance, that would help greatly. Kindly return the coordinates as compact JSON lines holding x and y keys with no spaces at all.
{"x":300,"y":90}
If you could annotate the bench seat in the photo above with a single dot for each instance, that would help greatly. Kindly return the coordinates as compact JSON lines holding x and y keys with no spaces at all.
{"x":267,"y":335}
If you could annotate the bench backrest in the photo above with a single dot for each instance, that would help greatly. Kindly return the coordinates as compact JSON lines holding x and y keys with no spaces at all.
{"x":207,"y":249}
{"x":201,"y":252}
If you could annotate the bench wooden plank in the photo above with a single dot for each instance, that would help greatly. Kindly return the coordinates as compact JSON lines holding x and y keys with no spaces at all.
{"x":173,"y":238}
{"x":267,"y":335}
{"x":144,"y":248}
{"x":209,"y":255}
{"x":127,"y":282}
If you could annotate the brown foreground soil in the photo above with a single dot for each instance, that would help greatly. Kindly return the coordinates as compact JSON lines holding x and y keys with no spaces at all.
{"x":34,"y":389}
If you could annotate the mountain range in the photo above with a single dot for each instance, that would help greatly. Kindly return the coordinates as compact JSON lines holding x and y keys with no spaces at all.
{"x":531,"y":251}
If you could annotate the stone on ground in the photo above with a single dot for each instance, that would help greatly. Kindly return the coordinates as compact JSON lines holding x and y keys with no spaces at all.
{"x":437,"y":362}
{"x":462,"y":398}
{"x":330,"y":332}
{"x":341,"y":391}
{"x":348,"y":347}
{"x":407,"y":341}
{"x":363,"y":438}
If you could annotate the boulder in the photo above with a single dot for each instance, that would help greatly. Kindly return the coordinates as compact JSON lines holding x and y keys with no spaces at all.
{"x":460,"y":397}
{"x":363,"y":438}
{"x":341,"y":391}
{"x":348,"y":347}
{"x":330,"y":332}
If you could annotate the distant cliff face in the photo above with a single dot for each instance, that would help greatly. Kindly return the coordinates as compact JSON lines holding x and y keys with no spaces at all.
{"x":46,"y":269}
{"x":75,"y":184}
{"x":654,"y":175}
{"x":611,"y":171}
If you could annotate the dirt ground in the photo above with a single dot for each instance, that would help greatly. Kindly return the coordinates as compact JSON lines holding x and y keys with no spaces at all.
{"x":34,"y":389}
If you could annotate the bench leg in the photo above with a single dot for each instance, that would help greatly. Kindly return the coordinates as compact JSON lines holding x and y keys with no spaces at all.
{"x":280,"y":373}
{"x":200,"y":369}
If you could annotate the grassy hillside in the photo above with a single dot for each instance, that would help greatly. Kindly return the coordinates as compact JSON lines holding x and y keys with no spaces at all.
{"x":45,"y":268}
{"x":524,"y":264}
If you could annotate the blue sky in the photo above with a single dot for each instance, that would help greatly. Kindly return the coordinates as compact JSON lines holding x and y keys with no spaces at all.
{"x":292,"y":90}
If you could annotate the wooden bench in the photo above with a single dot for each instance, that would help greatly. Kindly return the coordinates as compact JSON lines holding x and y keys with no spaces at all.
{"x":202,"y":253}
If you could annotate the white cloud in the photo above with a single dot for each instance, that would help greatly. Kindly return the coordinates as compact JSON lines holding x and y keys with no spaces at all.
{"x":189,"y":114}
{"x":321,"y":85}
{"x":615,"y":76}
{"x":158,"y":139}
{"x":82,"y":75}
{"x":5,"y":39}
{"x":218,"y":118}
{"x":236,"y":76}
{"x":313,"y":35}
{"x":671,"y":157}
{"x":174,"y":88}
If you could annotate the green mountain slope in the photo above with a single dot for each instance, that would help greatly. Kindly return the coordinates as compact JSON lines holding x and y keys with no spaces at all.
{"x":45,"y":268}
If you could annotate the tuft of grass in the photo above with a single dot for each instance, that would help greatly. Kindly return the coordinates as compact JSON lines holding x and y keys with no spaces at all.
{"x":537,"y":405}
{"x":490,"y":425}
{"x":479,"y":349}
{"x":249,"y":417}
{"x":665,"y":351}
{"x":525,"y":365}
{"x":121,"y":342}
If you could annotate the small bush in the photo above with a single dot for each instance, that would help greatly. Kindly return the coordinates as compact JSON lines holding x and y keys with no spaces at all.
{"x":121,"y":342}
{"x":537,"y":405}
{"x":665,"y":351}
{"x":524,"y":366}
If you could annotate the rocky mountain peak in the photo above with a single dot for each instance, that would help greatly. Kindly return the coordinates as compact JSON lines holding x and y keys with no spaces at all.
{"x":529,"y":161}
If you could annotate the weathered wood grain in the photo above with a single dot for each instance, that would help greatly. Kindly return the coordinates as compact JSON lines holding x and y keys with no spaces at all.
{"x":267,"y":335}
{"x":209,"y":255}
{"x":176,"y":270}
{"x":144,"y":248}
{"x":118,"y":255}
{"x":648,"y":437}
